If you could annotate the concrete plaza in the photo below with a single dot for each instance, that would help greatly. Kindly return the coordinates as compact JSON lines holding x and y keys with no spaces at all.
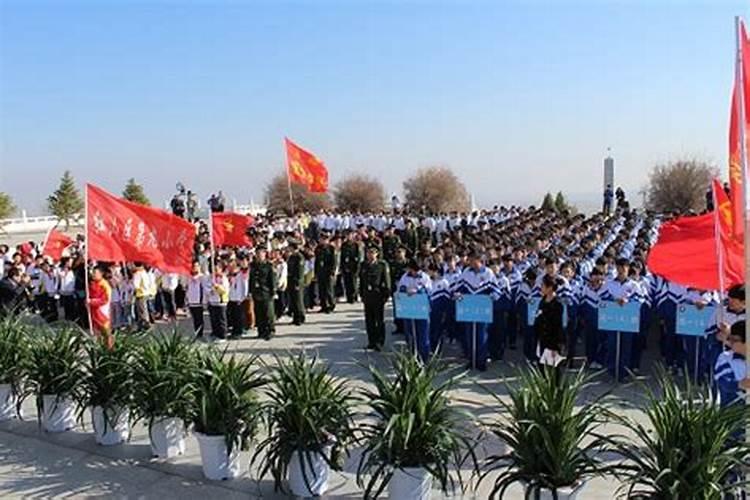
{"x":34,"y":464}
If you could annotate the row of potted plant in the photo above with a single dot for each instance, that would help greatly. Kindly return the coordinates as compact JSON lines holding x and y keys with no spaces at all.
{"x":412,"y":435}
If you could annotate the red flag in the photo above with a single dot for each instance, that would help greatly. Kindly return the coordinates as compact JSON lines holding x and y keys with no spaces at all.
{"x":55,"y":243}
{"x":735,"y":131}
{"x":732,"y":251}
{"x":304,"y":168}
{"x":118,"y":230}
{"x":230,"y":229}
{"x":686,"y":251}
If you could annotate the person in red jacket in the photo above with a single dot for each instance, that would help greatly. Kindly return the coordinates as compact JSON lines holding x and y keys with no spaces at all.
{"x":100,"y":295}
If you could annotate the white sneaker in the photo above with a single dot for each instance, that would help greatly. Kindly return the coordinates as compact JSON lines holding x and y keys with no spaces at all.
{"x":595,"y":366}
{"x":220,"y":341}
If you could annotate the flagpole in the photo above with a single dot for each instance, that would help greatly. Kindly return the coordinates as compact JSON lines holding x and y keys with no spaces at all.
{"x":86,"y":256}
{"x":719,"y":252}
{"x":289,"y":186}
{"x":211,"y":234}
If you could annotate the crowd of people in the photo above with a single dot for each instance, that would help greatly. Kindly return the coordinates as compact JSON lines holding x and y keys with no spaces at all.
{"x":545,"y":272}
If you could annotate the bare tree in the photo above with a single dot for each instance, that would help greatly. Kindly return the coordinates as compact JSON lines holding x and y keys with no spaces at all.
{"x":277,"y":197}
{"x":679,"y":185}
{"x":359,"y":193}
{"x":437,"y":189}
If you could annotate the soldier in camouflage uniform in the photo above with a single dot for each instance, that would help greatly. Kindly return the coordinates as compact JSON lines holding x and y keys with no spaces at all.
{"x":351,"y":260}
{"x":325,"y":274}
{"x":375,"y":288}
{"x":391,"y":242}
{"x":397,"y":269}
{"x":263,"y":289}
{"x":295,"y":283}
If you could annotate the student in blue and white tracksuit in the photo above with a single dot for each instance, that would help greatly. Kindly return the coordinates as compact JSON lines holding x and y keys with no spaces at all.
{"x":668,"y":297}
{"x":696,"y":346}
{"x":567,"y":293}
{"x":513,"y":274}
{"x":501,"y":306}
{"x":441,"y":304}
{"x":476,"y":279}
{"x":527,"y":292}
{"x":620,"y":290}
{"x":452,"y":272}
{"x":643,"y":290}
{"x":728,"y":314}
{"x":588,"y":315}
{"x":730,"y":367}
{"x":417,"y":331}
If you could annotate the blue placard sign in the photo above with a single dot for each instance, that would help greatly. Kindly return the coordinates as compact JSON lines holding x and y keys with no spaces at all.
{"x":619,"y":318}
{"x":415,"y":306}
{"x":474,"y":309}
{"x":533,"y":310}
{"x":694,"y":321}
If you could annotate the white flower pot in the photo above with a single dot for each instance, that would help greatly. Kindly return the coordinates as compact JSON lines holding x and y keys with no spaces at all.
{"x":8,"y":402}
{"x":217,"y":463}
{"x":411,"y":483}
{"x":564,"y":493}
{"x":58,"y":413}
{"x":113,"y":430}
{"x":317,"y":475}
{"x":167,"y":437}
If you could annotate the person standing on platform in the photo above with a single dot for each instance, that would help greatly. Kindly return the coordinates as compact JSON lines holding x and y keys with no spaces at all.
{"x":263,"y":289}
{"x":375,"y":289}
{"x":325,"y":274}
{"x":415,"y":281}
{"x":296,"y":284}
{"x":476,"y":279}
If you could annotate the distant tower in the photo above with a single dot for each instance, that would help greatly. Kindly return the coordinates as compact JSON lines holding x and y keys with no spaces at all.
{"x":609,"y":171}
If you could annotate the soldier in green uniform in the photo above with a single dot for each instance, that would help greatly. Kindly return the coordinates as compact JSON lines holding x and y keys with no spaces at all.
{"x":295,"y":283}
{"x":325,"y":274}
{"x":263,"y":289}
{"x":351,"y":259}
{"x":391,"y":242}
{"x":410,"y":239}
{"x":375,"y":288}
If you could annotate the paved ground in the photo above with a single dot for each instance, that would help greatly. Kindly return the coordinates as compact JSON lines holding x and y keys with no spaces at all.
{"x":34,"y":464}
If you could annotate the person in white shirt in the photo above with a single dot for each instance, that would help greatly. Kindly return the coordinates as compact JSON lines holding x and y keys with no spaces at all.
{"x":49,"y":286}
{"x":196,"y":297}
{"x":68,"y":289}
{"x":169,"y":282}
{"x":237,"y":294}
{"x":620,"y":289}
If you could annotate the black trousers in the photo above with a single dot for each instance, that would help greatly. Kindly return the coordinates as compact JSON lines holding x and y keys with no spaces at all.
{"x":196,"y":312}
{"x":236,"y":318}
{"x":168,"y":304}
{"x":218,"y":315}
{"x":69,"y":307}
{"x":296,"y":305}
{"x":325,"y":293}
{"x":350,"y":286}
{"x":375,"y":322}
{"x":48,"y":308}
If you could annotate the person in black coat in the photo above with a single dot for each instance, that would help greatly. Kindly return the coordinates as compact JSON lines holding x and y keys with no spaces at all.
{"x":13,"y":291}
{"x":548,"y":324}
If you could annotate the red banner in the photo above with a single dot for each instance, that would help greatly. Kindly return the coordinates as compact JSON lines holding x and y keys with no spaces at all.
{"x":735,"y":132}
{"x":305,"y":168}
{"x":118,"y":230}
{"x":55,"y":243}
{"x":230,"y":229}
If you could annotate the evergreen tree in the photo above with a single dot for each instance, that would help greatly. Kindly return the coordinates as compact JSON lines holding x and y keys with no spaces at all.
{"x":548,"y":203}
{"x":134,"y":192}
{"x":560,"y":204}
{"x":6,"y":206}
{"x":66,"y":201}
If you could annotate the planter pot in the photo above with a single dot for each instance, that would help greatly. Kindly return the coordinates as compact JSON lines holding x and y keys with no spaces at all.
{"x":564,"y":493}
{"x":167,"y":437}
{"x":317,"y":475}
{"x":412,"y":483}
{"x":58,"y":414}
{"x":8,"y":402}
{"x":114,"y":430}
{"x":217,"y":463}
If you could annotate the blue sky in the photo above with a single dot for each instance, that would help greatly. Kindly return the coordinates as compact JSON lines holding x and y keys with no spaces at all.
{"x":518,"y":97}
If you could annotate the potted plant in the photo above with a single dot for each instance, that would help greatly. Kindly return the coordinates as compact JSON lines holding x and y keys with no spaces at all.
{"x":14,"y":358}
{"x":164,"y":371}
{"x":688,"y":447}
{"x":107,"y":386}
{"x":310,"y":421}
{"x":226,"y":411}
{"x":415,"y":434}
{"x":553,"y":445}
{"x":54,"y":375}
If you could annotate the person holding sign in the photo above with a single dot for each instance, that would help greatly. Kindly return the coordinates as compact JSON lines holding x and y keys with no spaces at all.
{"x":501,"y":296}
{"x":548,"y":324}
{"x":418,"y":331}
{"x":695,"y":347}
{"x":374,"y":289}
{"x":620,"y":290}
{"x":588,"y":312}
{"x":476,"y":279}
{"x":527,"y":294}
{"x":441,"y":306}
{"x":732,"y":312}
